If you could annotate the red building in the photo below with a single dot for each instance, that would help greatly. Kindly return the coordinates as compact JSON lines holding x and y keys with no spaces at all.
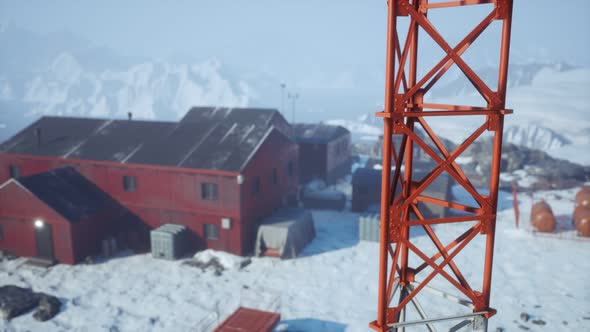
{"x":324,"y":152}
{"x":60,"y":215}
{"x":218,"y":170}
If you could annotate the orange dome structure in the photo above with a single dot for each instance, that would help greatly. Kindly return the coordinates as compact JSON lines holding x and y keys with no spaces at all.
{"x":583,"y":197}
{"x":582,"y":220}
{"x":542,"y":217}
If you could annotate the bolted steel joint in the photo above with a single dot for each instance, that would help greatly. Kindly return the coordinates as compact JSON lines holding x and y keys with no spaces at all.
{"x":403,"y":7}
{"x":503,"y":9}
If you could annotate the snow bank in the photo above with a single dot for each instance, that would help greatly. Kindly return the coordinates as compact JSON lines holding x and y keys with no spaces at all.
{"x":227,"y":261}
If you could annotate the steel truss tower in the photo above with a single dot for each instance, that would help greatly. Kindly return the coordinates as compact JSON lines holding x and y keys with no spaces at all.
{"x":402,"y":194}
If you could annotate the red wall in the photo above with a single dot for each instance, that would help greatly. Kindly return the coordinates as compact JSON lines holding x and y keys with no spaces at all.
{"x":276,"y":152}
{"x":18,"y":210}
{"x":173,"y":195}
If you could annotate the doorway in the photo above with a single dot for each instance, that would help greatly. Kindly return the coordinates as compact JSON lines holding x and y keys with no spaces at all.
{"x":44,"y":239}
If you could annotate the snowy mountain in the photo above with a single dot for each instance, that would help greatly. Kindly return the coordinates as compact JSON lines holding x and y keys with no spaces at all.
{"x":84,"y":81}
{"x":535,"y":137}
{"x":519,"y":75}
{"x":62,"y":74}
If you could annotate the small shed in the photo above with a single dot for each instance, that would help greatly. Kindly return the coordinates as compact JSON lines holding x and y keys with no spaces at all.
{"x":366,"y":188}
{"x":324,"y":151}
{"x":169,"y":241}
{"x":285,"y":233}
{"x":61,"y":216}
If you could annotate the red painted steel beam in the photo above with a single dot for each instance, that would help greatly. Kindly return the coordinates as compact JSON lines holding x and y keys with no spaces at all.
{"x":402,"y":111}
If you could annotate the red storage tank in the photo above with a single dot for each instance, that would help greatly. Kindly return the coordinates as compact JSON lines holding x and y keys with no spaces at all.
{"x":582,"y":220}
{"x":542,"y":217}
{"x":583,"y":197}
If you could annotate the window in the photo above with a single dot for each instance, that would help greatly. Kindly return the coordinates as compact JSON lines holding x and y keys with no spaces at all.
{"x":256,"y":186}
{"x":1,"y":233}
{"x":211,"y":231}
{"x":130,"y":183}
{"x":209,"y":191}
{"x":275,"y":176}
{"x":290,"y":168}
{"x":14,"y":171}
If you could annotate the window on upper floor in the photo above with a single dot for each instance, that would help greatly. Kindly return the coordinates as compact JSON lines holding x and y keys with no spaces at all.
{"x":1,"y":233}
{"x":209,"y":191}
{"x":257,"y":185}
{"x":290,"y":168}
{"x":14,"y":171}
{"x":275,"y":176}
{"x":130,"y":183}
{"x":211,"y":231}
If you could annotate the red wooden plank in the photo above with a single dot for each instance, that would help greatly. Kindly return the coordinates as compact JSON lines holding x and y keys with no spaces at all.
{"x":249,"y":320}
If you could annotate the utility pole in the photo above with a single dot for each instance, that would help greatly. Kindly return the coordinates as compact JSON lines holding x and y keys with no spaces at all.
{"x":283,"y":86}
{"x":293,"y":98}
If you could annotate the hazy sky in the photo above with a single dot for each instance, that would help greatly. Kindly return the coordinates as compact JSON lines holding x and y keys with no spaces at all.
{"x":326,"y":49}
{"x":289,"y":33}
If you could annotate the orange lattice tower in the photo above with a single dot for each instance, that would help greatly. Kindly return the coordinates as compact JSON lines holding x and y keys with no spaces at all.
{"x":406,"y":117}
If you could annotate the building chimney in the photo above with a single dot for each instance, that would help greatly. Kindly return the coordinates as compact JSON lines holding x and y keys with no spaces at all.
{"x":38,"y":134}
{"x":129,"y":115}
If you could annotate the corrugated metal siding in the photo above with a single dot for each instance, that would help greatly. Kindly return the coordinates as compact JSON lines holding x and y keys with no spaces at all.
{"x":249,"y":320}
{"x":169,"y":241}
{"x":369,"y":227}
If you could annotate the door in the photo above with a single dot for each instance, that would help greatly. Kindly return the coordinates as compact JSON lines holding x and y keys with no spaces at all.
{"x":44,"y":241}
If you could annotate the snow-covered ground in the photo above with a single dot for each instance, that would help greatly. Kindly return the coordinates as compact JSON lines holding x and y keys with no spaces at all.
{"x":331,"y":287}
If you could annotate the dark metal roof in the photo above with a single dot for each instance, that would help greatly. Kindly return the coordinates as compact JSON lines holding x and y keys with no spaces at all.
{"x":68,"y":193}
{"x":258,"y":116}
{"x":206,"y":138}
{"x":172,"y":148}
{"x":58,"y":136}
{"x":318,"y":132}
{"x":118,"y":140}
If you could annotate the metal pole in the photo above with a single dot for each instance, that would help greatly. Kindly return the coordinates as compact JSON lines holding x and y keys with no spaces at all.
{"x":386,"y":169}
{"x":283,"y":86}
{"x":293,"y":98}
